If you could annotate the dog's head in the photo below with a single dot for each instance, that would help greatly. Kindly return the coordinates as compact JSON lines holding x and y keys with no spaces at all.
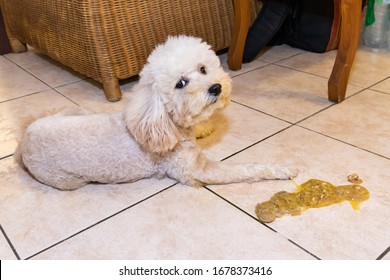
{"x":181,"y":85}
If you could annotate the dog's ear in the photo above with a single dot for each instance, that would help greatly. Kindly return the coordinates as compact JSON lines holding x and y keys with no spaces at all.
{"x":148,"y":121}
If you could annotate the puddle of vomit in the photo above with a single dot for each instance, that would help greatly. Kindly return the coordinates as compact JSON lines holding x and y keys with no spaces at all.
{"x":311,"y":194}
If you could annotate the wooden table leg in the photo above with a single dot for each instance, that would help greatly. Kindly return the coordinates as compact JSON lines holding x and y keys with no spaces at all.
{"x":240,"y":31}
{"x":349,"y":39}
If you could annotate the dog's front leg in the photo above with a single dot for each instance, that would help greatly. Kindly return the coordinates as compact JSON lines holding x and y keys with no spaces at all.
{"x":195,"y":169}
{"x":213,"y":172}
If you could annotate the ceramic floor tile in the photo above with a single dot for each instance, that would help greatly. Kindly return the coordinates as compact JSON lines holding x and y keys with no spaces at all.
{"x":16,"y":82}
{"x":383,"y":86}
{"x":368,"y":68}
{"x":6,"y":252}
{"x":386,"y":257}
{"x":53,"y":73}
{"x":359,"y":120}
{"x":5,"y":63}
{"x":284,"y":93}
{"x":179,"y":223}
{"x":16,"y":113}
{"x":185,"y":223}
{"x":246,"y":67}
{"x":320,"y":64}
{"x":333,"y":232}
{"x":44,"y":68}
{"x":236,"y":128}
{"x":36,"y":216}
{"x":277,"y":53}
{"x":268,"y":55}
{"x":89,"y":94}
{"x":29,"y":57}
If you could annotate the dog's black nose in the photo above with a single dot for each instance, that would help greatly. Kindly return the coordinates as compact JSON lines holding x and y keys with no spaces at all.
{"x":215,"y":89}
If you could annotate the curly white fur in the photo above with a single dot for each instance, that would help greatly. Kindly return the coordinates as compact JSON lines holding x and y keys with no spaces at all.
{"x":181,"y":85}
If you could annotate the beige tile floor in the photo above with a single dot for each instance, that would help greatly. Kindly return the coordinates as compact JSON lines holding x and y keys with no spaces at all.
{"x":280,"y":113}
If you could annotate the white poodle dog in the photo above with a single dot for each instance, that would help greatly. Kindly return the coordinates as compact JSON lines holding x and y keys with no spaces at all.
{"x":180,"y":86}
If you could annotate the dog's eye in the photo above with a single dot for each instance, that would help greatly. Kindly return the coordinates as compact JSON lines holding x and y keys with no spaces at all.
{"x":182,"y":83}
{"x":203,"y":70}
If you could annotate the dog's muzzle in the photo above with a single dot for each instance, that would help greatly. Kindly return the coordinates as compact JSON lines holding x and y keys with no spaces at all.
{"x":215,"y":90}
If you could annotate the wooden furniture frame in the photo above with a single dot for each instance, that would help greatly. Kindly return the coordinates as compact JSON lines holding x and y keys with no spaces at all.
{"x":349,"y":38}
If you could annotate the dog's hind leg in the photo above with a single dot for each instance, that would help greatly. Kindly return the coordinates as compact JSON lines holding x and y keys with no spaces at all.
{"x":64,"y":184}
{"x":57,"y":179}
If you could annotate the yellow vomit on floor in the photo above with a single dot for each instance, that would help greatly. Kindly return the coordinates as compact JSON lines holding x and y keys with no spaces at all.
{"x":311,"y":194}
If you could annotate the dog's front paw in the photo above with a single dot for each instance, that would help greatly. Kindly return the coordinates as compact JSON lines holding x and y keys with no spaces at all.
{"x":287,"y":172}
{"x":203,"y":130}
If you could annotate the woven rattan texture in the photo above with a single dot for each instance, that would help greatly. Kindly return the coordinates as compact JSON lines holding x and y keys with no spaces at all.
{"x":108,"y":40}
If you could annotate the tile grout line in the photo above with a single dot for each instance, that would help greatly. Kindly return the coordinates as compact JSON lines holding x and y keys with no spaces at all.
{"x":275,"y":63}
{"x":284,"y":58}
{"x":45,"y":83}
{"x":6,"y":156}
{"x":299,"y":246}
{"x":23,"y":96}
{"x":300,"y":71}
{"x":292,"y":124}
{"x":259,"y":111}
{"x":28,"y":72}
{"x":384,"y":253}
{"x":267,"y":63}
{"x":52,"y":62}
{"x":341,"y":141}
{"x":362,"y":88}
{"x":66,"y":97}
{"x":265,"y":225}
{"x":9,"y":243}
{"x":297,"y":124}
{"x":378,"y":91}
{"x":101,"y":221}
{"x":10,"y":60}
{"x":238,"y":208}
{"x":250,"y":70}
{"x":257,"y":142}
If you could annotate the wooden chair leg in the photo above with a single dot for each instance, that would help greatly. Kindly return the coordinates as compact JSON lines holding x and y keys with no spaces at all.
{"x":16,"y":45}
{"x":112,"y":90}
{"x":349,"y":39}
{"x":240,"y":31}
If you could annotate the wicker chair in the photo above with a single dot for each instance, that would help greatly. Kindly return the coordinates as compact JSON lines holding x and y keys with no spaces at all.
{"x":110,"y":40}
